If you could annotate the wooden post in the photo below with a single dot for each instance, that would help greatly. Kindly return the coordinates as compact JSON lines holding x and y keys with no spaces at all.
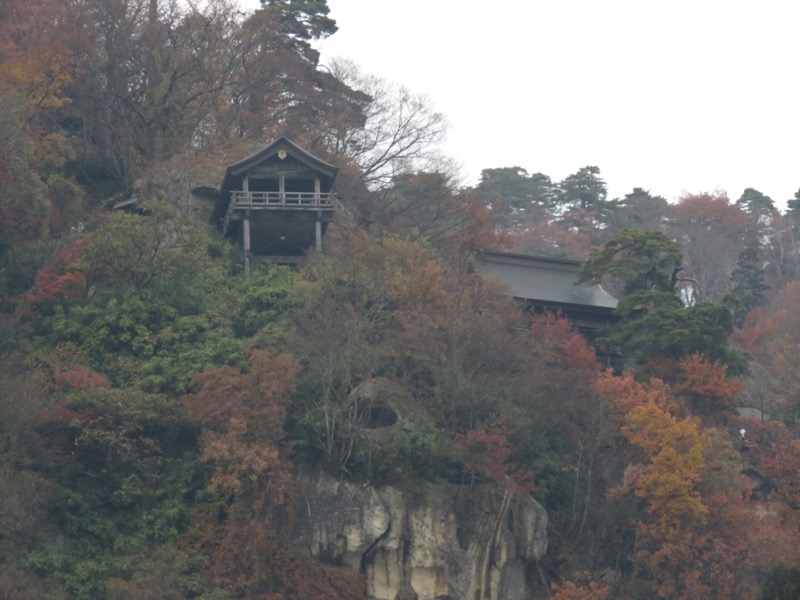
{"x":318,"y":202}
{"x":246,"y":235}
{"x":318,"y":232}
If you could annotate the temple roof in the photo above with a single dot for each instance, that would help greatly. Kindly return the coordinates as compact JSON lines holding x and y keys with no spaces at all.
{"x":547,"y":282}
{"x":235,"y":172}
{"x":271,"y":149}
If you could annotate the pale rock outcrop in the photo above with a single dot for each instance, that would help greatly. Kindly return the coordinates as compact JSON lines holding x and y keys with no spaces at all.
{"x":456,"y":542}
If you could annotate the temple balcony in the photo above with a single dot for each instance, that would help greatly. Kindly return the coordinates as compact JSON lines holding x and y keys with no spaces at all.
{"x":282,"y":200}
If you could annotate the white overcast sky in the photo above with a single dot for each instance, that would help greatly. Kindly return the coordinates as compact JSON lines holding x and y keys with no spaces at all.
{"x":679,"y":96}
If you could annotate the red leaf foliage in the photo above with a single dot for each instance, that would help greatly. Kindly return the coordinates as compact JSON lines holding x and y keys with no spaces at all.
{"x":489,"y":454}
{"x":77,"y":377}
{"x":242,"y":417}
{"x":60,"y":280}
{"x":555,"y":332}
{"x":61,"y":413}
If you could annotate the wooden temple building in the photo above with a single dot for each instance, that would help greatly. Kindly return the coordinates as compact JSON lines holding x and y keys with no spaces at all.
{"x":549,"y":284}
{"x":278,"y":202}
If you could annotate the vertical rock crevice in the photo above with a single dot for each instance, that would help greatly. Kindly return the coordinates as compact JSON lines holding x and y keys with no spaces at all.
{"x":478,"y":549}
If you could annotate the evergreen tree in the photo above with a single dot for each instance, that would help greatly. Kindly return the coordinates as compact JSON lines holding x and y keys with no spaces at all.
{"x":519,"y":196}
{"x":642,"y":260}
{"x":793,"y":209}
{"x":656,"y":328}
{"x":748,"y":284}
{"x":299,"y":22}
{"x":581,"y":204}
{"x":637,"y":210}
{"x":755,"y":203}
{"x":583,"y":189}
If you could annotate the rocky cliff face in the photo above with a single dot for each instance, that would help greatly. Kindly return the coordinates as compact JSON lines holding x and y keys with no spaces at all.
{"x":457,"y":542}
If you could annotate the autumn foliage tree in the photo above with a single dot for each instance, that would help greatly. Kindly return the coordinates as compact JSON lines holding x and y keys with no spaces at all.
{"x":489,"y":453}
{"x":666,"y":480}
{"x":62,"y":280}
{"x":36,"y":69}
{"x":653,"y":485}
{"x":241,"y":416}
{"x":706,"y":385}
{"x":712,"y":233}
{"x":772,"y":335}
{"x":583,"y":590}
{"x":699,"y":529}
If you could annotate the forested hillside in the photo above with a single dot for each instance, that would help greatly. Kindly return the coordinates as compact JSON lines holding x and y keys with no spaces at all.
{"x":157,"y":406}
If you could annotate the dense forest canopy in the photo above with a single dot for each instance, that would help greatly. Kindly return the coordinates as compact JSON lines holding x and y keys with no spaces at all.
{"x":157,"y":405}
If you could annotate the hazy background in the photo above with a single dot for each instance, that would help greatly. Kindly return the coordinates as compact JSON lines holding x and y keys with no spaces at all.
{"x":675,"y":97}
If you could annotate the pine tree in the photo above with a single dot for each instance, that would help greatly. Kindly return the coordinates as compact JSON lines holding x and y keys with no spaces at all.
{"x":748,"y":284}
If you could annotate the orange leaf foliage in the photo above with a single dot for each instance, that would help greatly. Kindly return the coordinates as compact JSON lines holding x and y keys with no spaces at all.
{"x":623,"y":393}
{"x":583,"y":590}
{"x":667,"y":478}
{"x":707,"y":383}
{"x":676,"y":465}
{"x":42,"y":48}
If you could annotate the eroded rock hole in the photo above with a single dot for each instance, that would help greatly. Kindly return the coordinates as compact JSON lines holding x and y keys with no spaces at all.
{"x":379,"y":417}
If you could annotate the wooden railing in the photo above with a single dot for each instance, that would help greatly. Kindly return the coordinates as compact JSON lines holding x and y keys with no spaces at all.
{"x":278,"y":200}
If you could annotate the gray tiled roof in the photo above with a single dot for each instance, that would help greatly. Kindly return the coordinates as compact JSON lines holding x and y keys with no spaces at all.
{"x":543,"y":280}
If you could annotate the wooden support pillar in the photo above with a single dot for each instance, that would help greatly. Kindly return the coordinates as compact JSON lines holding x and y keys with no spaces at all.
{"x":318,"y":232}
{"x":246,"y":242}
{"x":318,"y":228}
